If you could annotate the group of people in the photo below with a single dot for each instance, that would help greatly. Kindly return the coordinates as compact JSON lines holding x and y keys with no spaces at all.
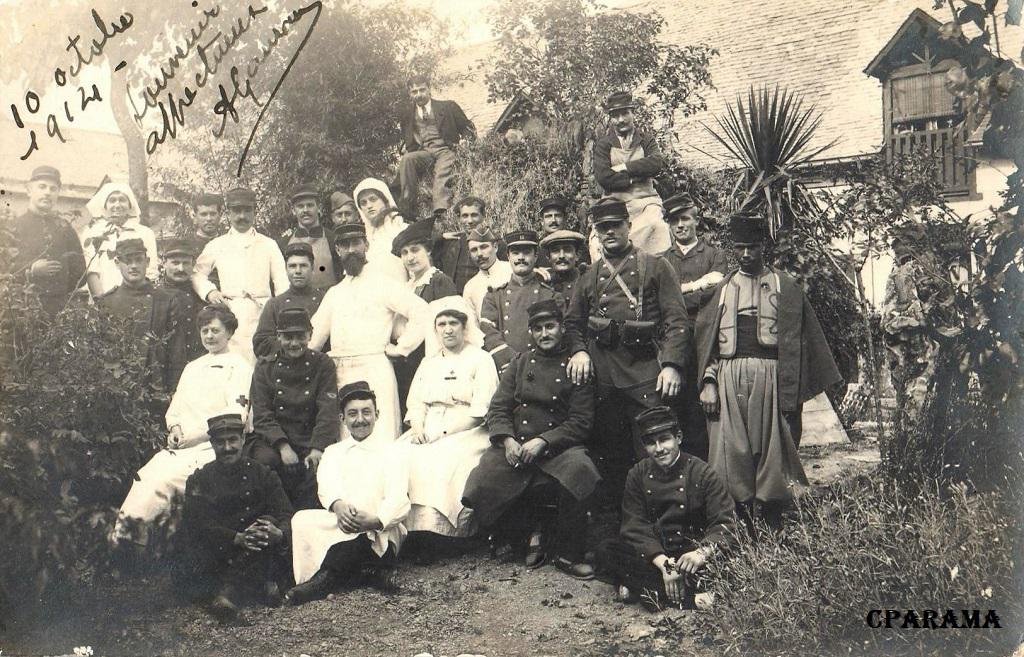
{"x":361,"y":377}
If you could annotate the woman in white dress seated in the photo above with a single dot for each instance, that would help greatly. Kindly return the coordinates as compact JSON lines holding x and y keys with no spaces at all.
{"x":447,"y":404}
{"x":210,"y":385}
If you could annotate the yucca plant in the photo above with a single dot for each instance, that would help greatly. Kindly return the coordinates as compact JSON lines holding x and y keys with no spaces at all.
{"x":770,"y":137}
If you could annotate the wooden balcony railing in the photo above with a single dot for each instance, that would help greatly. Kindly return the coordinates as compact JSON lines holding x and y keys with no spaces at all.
{"x":957,"y":170}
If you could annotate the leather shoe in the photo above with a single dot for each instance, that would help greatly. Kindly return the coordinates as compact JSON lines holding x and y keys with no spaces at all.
{"x":384,"y":579}
{"x":625,"y":594}
{"x":578,"y":570}
{"x":223,"y":609}
{"x":318,"y":586}
{"x":535,"y":556}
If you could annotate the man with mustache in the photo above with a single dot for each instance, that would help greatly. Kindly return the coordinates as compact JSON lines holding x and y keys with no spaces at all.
{"x":538,"y":421}
{"x":235,"y":519}
{"x":492,"y":272}
{"x":761,"y":354}
{"x":699,"y":268}
{"x":451,"y":251}
{"x":298,"y":262}
{"x":552,"y":218}
{"x":249,"y":265}
{"x":294,"y":408}
{"x":308,"y":229}
{"x":563,"y":249}
{"x":676,"y":512}
{"x":626,"y":162}
{"x":158,"y":316}
{"x":628,"y":328}
{"x":177,"y":260}
{"x":364,"y":490}
{"x":358,"y":316}
{"x":503,"y":316}
{"x":343,"y":209}
{"x":49,"y":254}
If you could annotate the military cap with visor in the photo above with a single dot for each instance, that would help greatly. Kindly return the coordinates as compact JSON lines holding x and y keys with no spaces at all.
{"x":657,"y":420}
{"x":240,"y":197}
{"x":127,"y":247}
{"x":541,"y":310}
{"x":608,"y":209}
{"x":522,"y":238}
{"x":225,"y":423}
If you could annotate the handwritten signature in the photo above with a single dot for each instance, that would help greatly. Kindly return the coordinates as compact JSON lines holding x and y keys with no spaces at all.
{"x":211,"y":53}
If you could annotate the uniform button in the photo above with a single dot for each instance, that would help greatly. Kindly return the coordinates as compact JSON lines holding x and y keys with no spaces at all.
{"x":279,"y":380}
{"x":506,"y":331}
{"x":554,"y":397}
{"x":649,"y":492}
{"x":280,"y":408}
{"x":524,"y":421}
{"x":650,"y":476}
{"x":680,"y":490}
{"x":682,"y":506}
{"x":306,"y":392}
{"x":506,"y":316}
{"x":559,"y":380}
{"x":532,"y":360}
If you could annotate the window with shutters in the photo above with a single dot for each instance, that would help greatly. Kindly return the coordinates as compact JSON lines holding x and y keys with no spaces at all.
{"x":921,"y":114}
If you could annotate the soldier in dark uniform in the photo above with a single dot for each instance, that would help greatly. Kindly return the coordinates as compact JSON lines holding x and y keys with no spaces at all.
{"x":49,"y":254}
{"x":563,"y":250}
{"x":294,"y":408}
{"x":178,"y":257}
{"x":235,"y":523}
{"x":538,"y":422}
{"x":451,"y":251}
{"x":311,"y":230}
{"x":158,"y":315}
{"x":676,"y":512}
{"x":699,"y":267}
{"x":627,"y":327}
{"x":504,"y":317}
{"x":298,"y":260}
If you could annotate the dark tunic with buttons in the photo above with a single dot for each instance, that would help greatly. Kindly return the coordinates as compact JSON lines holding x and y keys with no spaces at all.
{"x":158,"y":319}
{"x":48,"y":237}
{"x":566,"y":285}
{"x":222,"y":500}
{"x":191,"y":304}
{"x":264,"y":340}
{"x":504,"y":317}
{"x":676,"y":510}
{"x":700,"y":260}
{"x":622,"y":367}
{"x":534,"y":398}
{"x":296,"y":401}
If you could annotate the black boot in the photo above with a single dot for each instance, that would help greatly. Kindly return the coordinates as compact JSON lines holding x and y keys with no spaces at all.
{"x":318,"y":586}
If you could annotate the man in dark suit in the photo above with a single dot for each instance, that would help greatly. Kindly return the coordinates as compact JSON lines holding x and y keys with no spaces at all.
{"x":430,"y":129}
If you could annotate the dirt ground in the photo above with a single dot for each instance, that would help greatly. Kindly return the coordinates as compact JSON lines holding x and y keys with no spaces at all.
{"x":460,"y":603}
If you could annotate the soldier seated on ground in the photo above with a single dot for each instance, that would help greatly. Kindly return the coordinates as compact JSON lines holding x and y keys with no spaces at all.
{"x":235,"y":526}
{"x":363,"y":485}
{"x":676,"y":513}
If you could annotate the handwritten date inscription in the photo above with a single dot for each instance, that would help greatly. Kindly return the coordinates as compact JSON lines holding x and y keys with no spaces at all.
{"x":209,"y":46}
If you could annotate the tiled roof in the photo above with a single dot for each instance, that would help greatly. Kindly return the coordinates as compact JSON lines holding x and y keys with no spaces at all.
{"x":819,"y":48}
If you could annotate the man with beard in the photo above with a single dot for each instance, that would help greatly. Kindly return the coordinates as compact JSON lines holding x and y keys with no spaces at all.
{"x":358,"y":316}
{"x":492,"y":272}
{"x":628,"y":328}
{"x":235,"y":522}
{"x":676,"y":512}
{"x":626,"y":162}
{"x":699,"y":268}
{"x":298,"y":262}
{"x":49,"y":254}
{"x":538,"y":422}
{"x":451,"y":252}
{"x":761,"y":354}
{"x":250,"y":267}
{"x":503,"y":317}
{"x":563,"y":249}
{"x":177,"y":258}
{"x":309,"y":230}
{"x":294,"y":408}
{"x":364,"y":490}
{"x":157,"y":315}
{"x":208,"y":209}
{"x":431,"y":130}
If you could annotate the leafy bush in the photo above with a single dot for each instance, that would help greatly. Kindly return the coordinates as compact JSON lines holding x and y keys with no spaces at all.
{"x":863,"y":545}
{"x":76,"y":421}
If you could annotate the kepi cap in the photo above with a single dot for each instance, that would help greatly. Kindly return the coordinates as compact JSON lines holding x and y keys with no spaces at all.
{"x":656,"y":420}
{"x":553,"y":202}
{"x":240,"y":197}
{"x":227,"y":422}
{"x":619,"y":100}
{"x":546,"y":309}
{"x":128,"y":247}
{"x":209,"y":199}
{"x":349,"y":390}
{"x":177,"y":246}
{"x":522,"y":238}
{"x":45,"y":172}
{"x":677,"y":204}
{"x":351,"y":231}
{"x":293,"y":320}
{"x":747,"y":227}
{"x":608,"y":209}
{"x":305,"y":190}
